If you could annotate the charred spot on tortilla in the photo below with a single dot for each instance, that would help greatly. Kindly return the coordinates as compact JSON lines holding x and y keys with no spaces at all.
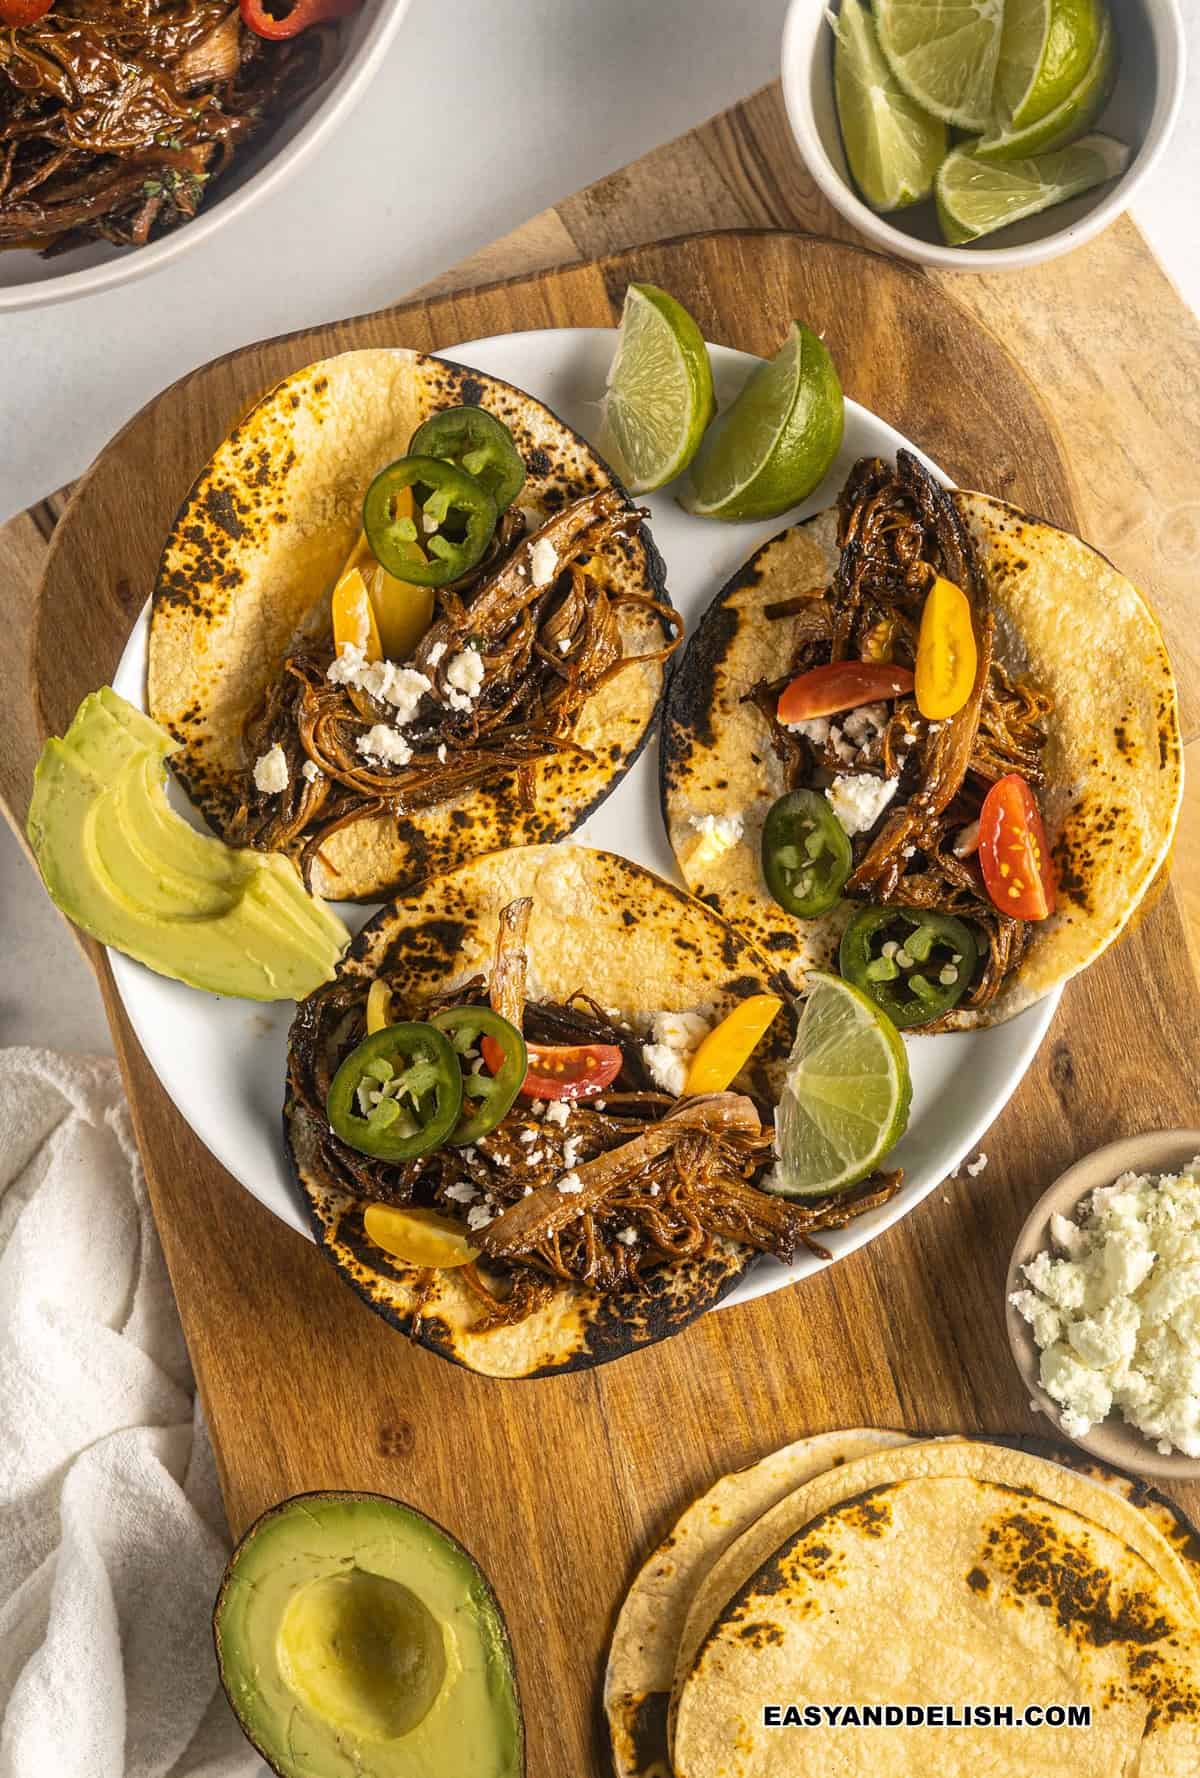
{"x":761,"y":1635}
{"x":647,"y":1729}
{"x":1036,"y":1559}
{"x":240,"y":632}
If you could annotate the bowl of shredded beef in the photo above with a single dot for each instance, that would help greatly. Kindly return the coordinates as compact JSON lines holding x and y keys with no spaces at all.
{"x":131,"y":129}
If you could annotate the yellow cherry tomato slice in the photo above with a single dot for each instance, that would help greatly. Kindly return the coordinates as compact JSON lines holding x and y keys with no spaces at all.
{"x":418,"y":1237}
{"x":729,"y":1045}
{"x":354,"y":617}
{"x":946,"y":652}
{"x":379,"y":1006}
{"x":403,"y":612}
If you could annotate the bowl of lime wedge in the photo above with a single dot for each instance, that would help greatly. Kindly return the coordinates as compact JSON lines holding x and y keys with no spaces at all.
{"x":994,"y":134}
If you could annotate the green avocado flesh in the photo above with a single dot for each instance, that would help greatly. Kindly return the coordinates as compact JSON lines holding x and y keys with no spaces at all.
{"x":120,"y":862}
{"x":357,"y":1639}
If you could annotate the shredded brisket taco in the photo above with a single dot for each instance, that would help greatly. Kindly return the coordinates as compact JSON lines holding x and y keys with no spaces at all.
{"x":930,"y":741}
{"x":404,"y":617}
{"x":540,"y":1184}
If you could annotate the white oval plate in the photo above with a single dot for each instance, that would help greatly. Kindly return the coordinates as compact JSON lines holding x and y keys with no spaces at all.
{"x":223,"y":1061}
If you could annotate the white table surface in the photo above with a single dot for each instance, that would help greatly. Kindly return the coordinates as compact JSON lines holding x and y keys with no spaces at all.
{"x":488,"y":111}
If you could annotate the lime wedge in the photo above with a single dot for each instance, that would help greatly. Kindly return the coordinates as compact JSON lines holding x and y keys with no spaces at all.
{"x":660,"y":393}
{"x":974,"y":197}
{"x":893,"y":147}
{"x":1076,"y":115}
{"x":1046,"y":48}
{"x":847,"y":1095}
{"x":769,"y":449}
{"x":944,"y":54}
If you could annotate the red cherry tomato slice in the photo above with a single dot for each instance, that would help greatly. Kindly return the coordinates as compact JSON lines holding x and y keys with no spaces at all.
{"x":1014,"y":854}
{"x":561,"y":1070}
{"x":281,"y":20}
{"x":842,"y":685}
{"x":23,"y":12}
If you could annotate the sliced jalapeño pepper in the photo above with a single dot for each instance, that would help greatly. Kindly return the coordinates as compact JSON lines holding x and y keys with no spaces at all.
{"x":474,"y":440}
{"x":806,"y":854}
{"x":913,"y":964}
{"x":486,"y":1096}
{"x":398,"y":1094}
{"x":445,"y":531}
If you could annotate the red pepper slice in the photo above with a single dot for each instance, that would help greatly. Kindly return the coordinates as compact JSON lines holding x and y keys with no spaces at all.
{"x":842,"y":685}
{"x":23,"y":12}
{"x":562,"y":1070}
{"x":1014,"y":854}
{"x":289,"y":23}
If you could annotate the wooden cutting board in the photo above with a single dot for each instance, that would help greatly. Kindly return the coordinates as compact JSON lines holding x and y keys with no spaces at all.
{"x":561,"y":1487}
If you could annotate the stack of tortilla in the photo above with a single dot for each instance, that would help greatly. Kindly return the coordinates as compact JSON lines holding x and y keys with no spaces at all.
{"x":868,"y":1568}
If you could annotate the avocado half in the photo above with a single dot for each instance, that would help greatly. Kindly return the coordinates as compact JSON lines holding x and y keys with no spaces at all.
{"x":357,"y":1639}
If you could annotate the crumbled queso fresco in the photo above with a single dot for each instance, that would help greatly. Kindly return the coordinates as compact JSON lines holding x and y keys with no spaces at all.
{"x":464,"y":676}
{"x":271,"y":771}
{"x":1115,"y":1309}
{"x":717,"y":834}
{"x":543,"y":562}
{"x":675,"y":1036}
{"x":859,"y":800}
{"x":402,"y":687}
{"x":385,"y":744}
{"x":847,"y":737}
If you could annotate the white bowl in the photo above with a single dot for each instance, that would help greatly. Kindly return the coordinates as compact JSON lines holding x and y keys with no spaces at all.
{"x":27,"y":281}
{"x":1141,"y":112}
{"x":1113,"y":1440}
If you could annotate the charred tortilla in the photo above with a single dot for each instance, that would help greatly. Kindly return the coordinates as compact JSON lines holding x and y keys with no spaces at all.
{"x":651,"y":1624}
{"x":1065,"y":619}
{"x":909,"y":1579}
{"x":635,"y":945}
{"x":245,"y":580}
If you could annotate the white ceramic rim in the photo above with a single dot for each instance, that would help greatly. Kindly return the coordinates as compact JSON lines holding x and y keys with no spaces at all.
{"x":343,"y":87}
{"x":799,"y":47}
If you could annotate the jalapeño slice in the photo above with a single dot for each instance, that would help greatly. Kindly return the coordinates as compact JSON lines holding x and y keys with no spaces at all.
{"x":398,"y":1094}
{"x":474,"y":440}
{"x":915,"y":965}
{"x":806,"y":854}
{"x":486,"y":1097}
{"x":453,"y":519}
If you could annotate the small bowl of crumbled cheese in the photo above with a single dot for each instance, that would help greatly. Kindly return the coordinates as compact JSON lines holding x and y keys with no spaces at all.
{"x":1103,"y":1303}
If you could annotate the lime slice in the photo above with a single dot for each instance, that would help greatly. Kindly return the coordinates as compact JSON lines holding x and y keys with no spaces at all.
{"x":769,"y":449}
{"x":1046,"y":48}
{"x":893,"y":147}
{"x":660,"y":393}
{"x":1076,"y":115}
{"x":944,"y":54}
{"x":974,"y":197}
{"x":847,"y":1095}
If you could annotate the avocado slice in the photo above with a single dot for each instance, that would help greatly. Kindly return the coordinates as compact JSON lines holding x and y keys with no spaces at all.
{"x":357,"y":1639}
{"x":119,"y":861}
{"x":107,"y":729}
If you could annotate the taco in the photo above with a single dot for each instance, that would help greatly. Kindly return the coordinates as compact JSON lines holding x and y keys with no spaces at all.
{"x":383,"y":664}
{"x":576,"y":1200}
{"x":927,"y":740}
{"x":961,"y":1589}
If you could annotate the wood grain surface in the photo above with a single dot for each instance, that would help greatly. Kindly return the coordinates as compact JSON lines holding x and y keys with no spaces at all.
{"x":560,"y":1487}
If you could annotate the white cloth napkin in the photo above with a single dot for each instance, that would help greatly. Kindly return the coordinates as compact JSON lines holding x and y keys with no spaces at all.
{"x":112,"y":1535}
